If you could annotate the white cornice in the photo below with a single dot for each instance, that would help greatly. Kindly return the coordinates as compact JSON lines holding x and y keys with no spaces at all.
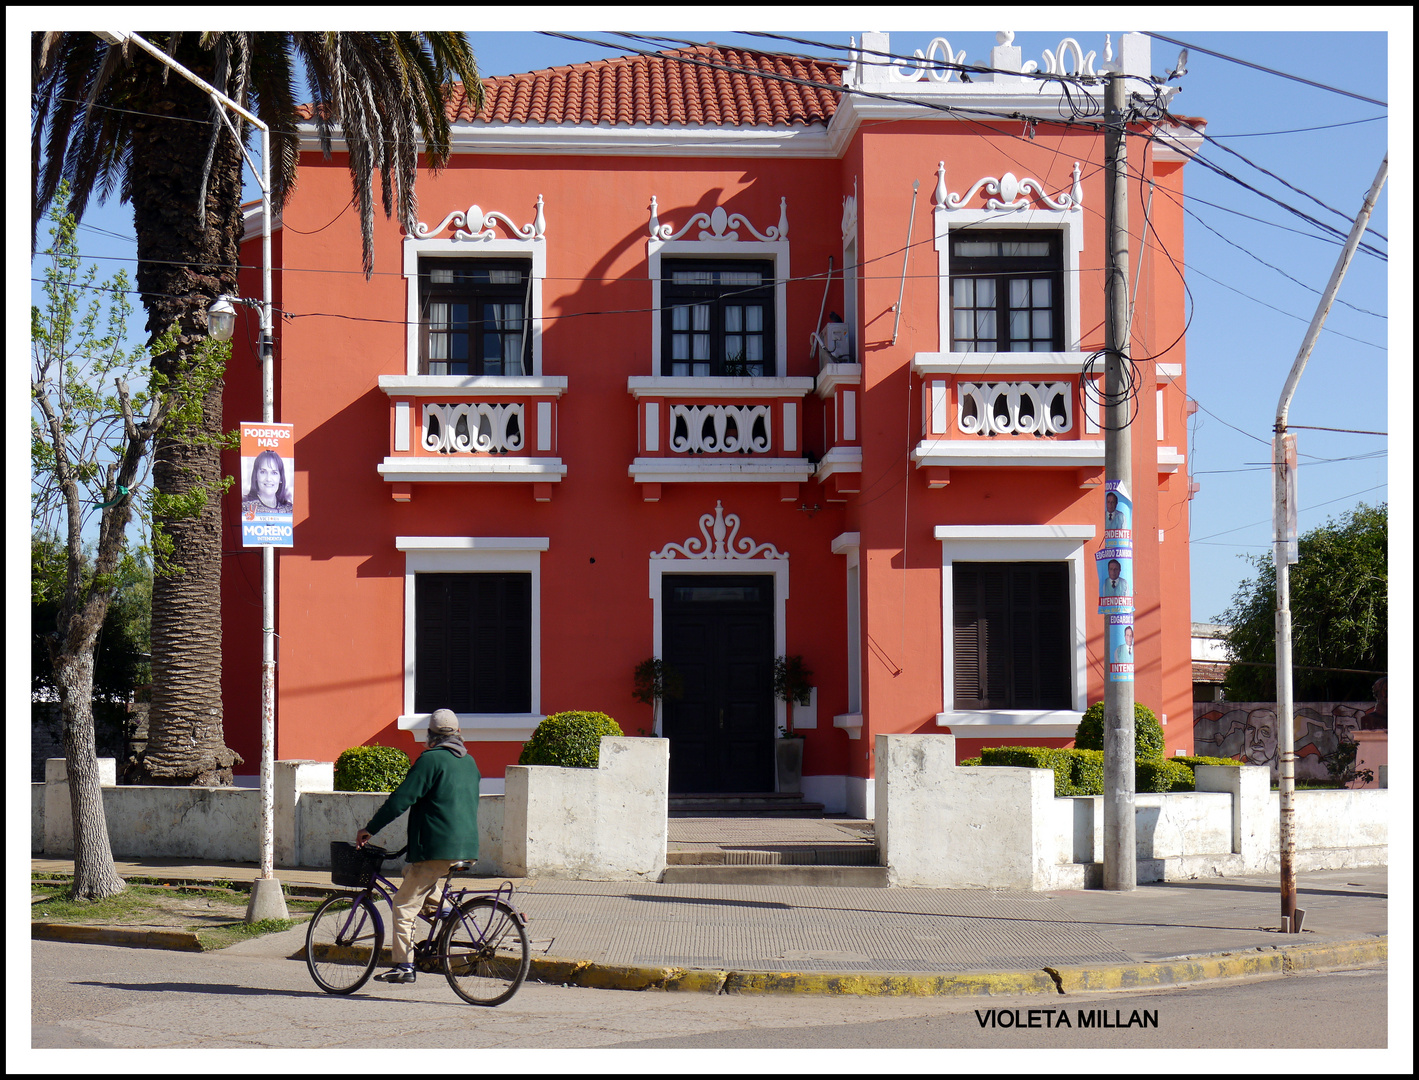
{"x":1027,"y":453}
{"x":483,"y":386}
{"x":474,"y":468}
{"x":667,"y":386}
{"x":659,"y":470}
{"x":998,"y":363}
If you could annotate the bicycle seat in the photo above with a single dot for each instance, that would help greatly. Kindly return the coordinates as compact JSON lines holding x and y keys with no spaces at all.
{"x":460,"y":866}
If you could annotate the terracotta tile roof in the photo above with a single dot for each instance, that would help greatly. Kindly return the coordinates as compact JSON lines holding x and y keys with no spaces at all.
{"x":661,"y":89}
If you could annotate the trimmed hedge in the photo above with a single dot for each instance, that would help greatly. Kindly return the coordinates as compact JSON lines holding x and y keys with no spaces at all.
{"x":1035,"y":757}
{"x":1087,"y":777}
{"x":1193,"y":761}
{"x":371,"y":768}
{"x":1164,"y":775}
{"x":569,"y":739}
{"x":1147,"y":732}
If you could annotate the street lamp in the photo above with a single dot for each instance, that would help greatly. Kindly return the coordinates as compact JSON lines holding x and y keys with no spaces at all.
{"x":267,"y":899}
{"x":221,"y":319}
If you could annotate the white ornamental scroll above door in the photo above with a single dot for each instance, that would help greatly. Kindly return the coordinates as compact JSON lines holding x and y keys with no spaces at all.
{"x":719,"y":539}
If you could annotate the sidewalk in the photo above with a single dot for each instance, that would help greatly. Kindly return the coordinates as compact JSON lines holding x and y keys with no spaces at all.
{"x":776,"y":938}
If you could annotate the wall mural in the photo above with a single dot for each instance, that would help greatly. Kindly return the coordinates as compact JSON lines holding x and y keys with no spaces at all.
{"x":1248,"y":730}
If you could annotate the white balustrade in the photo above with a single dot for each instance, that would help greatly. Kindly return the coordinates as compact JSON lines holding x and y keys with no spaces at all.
{"x":1014,"y":408}
{"x":473,"y":427}
{"x":720,"y":429}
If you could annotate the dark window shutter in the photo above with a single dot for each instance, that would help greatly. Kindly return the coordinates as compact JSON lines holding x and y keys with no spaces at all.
{"x":473,"y":643}
{"x":1011,"y":635}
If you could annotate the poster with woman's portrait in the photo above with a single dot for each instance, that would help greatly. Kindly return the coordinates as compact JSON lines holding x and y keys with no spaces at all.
{"x":267,"y":485}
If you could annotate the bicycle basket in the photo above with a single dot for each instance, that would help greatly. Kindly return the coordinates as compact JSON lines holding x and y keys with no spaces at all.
{"x":354,"y":867}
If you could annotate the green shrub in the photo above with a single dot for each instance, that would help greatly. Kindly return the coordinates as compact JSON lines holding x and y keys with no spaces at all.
{"x":370,"y":768}
{"x":1162,"y":775}
{"x":971,"y":761}
{"x":1087,"y":777}
{"x":1147,"y":732}
{"x":569,"y":739}
{"x":1193,"y":761}
{"x":1034,"y":757}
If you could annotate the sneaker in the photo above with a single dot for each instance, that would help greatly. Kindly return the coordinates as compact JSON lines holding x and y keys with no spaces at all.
{"x":396,"y":975}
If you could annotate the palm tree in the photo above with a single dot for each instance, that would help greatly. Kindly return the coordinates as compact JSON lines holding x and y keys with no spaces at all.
{"x":109,"y":118}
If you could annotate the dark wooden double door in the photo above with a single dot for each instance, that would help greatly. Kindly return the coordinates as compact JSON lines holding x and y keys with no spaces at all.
{"x":717,"y":631}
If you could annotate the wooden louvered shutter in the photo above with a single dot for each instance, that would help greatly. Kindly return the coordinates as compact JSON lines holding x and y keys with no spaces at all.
{"x":1011,"y":635}
{"x":473,"y":643}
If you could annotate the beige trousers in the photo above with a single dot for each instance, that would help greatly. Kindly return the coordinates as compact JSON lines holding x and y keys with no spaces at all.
{"x":420,"y":878}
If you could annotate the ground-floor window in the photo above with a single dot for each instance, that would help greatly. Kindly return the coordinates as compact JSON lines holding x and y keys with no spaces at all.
{"x":473,"y":642}
{"x":1011,"y":637}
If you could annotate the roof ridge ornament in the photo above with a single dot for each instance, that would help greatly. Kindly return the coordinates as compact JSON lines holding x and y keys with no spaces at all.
{"x":719,"y":539}
{"x":475,"y":223}
{"x":718,"y":224}
{"x":1007,"y":193}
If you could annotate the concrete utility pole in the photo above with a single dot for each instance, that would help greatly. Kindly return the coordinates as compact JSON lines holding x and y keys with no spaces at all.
{"x":1120,"y":859}
{"x":1283,"y":517}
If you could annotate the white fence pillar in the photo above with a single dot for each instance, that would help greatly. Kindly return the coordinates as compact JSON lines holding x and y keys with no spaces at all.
{"x":291,"y":779}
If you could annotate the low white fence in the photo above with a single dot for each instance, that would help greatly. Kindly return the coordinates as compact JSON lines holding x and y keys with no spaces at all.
{"x":938,"y":824}
{"x":947,"y":826}
{"x":603,"y":823}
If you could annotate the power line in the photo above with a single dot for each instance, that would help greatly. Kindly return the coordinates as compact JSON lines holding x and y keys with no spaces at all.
{"x":1304,"y":509}
{"x":1269,"y":71}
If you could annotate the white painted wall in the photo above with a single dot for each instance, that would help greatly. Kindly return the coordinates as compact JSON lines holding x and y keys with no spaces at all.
{"x":602,"y":824}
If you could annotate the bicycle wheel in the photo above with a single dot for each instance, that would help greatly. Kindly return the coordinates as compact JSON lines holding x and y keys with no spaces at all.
{"x":484,"y":951}
{"x":342,"y":943}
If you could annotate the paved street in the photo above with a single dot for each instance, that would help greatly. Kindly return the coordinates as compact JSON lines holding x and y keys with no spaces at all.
{"x":92,"y":997}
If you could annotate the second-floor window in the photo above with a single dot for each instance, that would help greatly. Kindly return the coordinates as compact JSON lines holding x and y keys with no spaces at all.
{"x":717,"y":318}
{"x":474,"y":317}
{"x":1006,"y":291}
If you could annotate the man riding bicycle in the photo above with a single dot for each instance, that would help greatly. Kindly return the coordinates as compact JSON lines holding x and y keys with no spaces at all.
{"x":441,"y":794}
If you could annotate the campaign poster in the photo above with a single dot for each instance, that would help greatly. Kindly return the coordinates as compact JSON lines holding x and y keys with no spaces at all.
{"x":267,"y":483}
{"x":1118,"y":515}
{"x":1115,"y":566}
{"x":1119,"y":643}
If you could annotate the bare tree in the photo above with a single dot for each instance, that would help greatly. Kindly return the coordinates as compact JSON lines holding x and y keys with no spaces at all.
{"x":91,"y":443}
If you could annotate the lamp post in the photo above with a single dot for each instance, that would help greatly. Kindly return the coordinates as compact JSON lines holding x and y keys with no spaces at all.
{"x":267,"y":900}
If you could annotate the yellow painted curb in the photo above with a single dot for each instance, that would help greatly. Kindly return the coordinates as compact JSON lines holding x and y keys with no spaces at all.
{"x":554,"y":971}
{"x":1336,"y":954}
{"x":177,"y":940}
{"x":700,"y":982}
{"x":964,"y":985}
{"x":1081,"y":980}
{"x":624,"y":977}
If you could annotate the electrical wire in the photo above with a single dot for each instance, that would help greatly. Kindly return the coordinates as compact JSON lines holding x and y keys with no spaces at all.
{"x":1269,"y":71}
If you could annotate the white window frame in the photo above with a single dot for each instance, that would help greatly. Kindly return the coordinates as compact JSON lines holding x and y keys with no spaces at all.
{"x":1015,"y":543}
{"x":849,"y":544}
{"x":415,"y":250}
{"x":1068,"y":222}
{"x":775,"y":251}
{"x":474,"y":555}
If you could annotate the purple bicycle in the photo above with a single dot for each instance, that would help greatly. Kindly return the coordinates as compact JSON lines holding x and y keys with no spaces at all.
{"x":476,"y":937}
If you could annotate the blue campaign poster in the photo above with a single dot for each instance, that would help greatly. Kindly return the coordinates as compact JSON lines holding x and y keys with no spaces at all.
{"x":1119,"y":643}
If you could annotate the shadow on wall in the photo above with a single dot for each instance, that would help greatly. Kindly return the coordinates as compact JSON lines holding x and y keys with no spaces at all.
{"x":1248,"y":730}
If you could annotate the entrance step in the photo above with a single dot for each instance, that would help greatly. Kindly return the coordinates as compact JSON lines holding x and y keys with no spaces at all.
{"x":871,"y":877}
{"x":743,"y":804}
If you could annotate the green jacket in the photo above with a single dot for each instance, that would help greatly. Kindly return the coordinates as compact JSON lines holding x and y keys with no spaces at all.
{"x":441,"y":794}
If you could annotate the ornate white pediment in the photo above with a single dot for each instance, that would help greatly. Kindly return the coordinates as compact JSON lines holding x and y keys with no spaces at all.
{"x":475,"y":223}
{"x":718,"y":224}
{"x":719,"y":539}
{"x":1007,"y":193}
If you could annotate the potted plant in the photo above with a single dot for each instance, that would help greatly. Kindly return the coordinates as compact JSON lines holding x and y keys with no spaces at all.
{"x":655,"y":680}
{"x":793,"y":686}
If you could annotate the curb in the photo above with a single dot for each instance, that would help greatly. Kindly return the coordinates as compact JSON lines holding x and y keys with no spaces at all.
{"x":1050,"y":980}
{"x":173,"y":940}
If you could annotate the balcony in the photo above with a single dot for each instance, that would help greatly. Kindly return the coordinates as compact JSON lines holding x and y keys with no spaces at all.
{"x":840,"y":471}
{"x":479,"y":429}
{"x":703,"y":430}
{"x":1028,"y":420}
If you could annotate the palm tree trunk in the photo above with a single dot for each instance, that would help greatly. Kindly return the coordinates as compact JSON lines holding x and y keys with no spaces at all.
{"x":187,"y":256}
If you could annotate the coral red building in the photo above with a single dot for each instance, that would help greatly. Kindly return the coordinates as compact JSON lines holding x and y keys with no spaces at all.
{"x":579,"y":418}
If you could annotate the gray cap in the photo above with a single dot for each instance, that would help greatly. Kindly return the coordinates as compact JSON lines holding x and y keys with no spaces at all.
{"x":443,"y":720}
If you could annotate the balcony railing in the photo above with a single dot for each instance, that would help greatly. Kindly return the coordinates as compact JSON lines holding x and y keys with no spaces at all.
{"x":704,"y":429}
{"x":462,"y":429}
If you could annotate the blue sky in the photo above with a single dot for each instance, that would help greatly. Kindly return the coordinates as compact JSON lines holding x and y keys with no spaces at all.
{"x":1248,"y":319}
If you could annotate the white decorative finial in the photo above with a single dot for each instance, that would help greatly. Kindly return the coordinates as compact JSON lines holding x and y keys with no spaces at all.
{"x":654,"y":218}
{"x":1108,"y":48}
{"x":1004,"y":37}
{"x":782,"y":218}
{"x":938,"y":197}
{"x":539,"y":223}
